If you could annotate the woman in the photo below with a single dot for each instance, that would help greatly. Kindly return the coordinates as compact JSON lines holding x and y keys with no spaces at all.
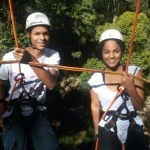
{"x":121,"y":125}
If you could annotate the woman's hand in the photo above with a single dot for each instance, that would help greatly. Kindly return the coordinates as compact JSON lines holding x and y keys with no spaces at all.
{"x":127,"y":82}
{"x":22,"y":55}
{"x":135,"y":89}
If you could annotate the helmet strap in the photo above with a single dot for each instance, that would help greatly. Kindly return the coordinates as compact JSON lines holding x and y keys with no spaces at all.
{"x":31,"y":43}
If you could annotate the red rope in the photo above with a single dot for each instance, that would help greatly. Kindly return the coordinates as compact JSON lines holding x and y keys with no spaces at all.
{"x":132,"y":37}
{"x":14,"y":29}
{"x":96,"y":146}
{"x":17,"y":46}
{"x":17,"y":81}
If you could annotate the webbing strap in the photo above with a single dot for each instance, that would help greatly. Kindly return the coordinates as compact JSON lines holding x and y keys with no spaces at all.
{"x":117,"y":113}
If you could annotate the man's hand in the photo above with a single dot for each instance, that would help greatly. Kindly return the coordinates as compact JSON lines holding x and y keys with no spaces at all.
{"x":22,"y":55}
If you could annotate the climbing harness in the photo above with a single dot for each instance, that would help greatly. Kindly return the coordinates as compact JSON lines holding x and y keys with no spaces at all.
{"x":114,"y":99}
{"x":32,"y":95}
{"x":117,"y":114}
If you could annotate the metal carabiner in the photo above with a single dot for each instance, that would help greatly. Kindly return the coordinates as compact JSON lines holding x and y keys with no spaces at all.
{"x":22,"y":77}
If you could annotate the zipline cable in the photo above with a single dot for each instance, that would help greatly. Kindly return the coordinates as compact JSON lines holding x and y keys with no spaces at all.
{"x":132,"y":36}
{"x":77,"y":69}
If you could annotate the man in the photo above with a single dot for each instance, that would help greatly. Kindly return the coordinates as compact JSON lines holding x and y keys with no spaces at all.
{"x":24,"y":110}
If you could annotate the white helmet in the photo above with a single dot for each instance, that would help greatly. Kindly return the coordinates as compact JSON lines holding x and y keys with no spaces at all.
{"x":37,"y":18}
{"x":111,"y":34}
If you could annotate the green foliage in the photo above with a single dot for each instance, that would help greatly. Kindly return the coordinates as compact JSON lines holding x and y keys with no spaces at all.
{"x":92,"y":63}
{"x":7,"y":41}
{"x":76,"y":54}
{"x":72,"y":140}
{"x":142,"y":59}
{"x":85,"y":18}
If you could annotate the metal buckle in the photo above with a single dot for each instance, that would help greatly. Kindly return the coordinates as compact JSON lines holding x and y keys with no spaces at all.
{"x":106,"y":126}
{"x":138,"y":128}
{"x":21,"y":75}
{"x":123,"y":116}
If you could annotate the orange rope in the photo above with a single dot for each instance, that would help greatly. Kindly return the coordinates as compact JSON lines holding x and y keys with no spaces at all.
{"x":119,"y":92}
{"x":96,"y":146}
{"x":60,"y":67}
{"x":114,"y":99}
{"x":132,"y":37}
{"x":17,"y":46}
{"x":11,"y":94}
{"x":14,"y":29}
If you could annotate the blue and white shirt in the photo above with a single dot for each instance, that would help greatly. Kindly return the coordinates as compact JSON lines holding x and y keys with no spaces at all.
{"x":32,"y":82}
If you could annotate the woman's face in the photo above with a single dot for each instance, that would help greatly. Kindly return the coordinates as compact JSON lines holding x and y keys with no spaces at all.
{"x":111,"y":53}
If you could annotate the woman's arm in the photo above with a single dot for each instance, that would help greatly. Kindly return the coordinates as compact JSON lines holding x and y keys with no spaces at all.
{"x":135,"y":89}
{"x":95,"y":109}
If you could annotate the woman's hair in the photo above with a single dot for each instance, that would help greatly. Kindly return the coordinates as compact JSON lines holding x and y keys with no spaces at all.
{"x":119,"y":42}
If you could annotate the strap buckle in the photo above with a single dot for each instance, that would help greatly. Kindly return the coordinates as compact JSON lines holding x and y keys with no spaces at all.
{"x":107,"y":127}
{"x":139,"y":128}
{"x":123,"y":116}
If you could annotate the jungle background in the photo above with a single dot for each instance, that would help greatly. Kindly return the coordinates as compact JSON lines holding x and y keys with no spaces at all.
{"x":76,"y":27}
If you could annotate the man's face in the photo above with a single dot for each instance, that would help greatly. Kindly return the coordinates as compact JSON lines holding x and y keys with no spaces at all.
{"x":39,"y":37}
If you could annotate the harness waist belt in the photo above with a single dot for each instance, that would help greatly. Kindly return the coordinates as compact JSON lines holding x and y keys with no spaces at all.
{"x":24,"y":102}
{"x":122,"y":116}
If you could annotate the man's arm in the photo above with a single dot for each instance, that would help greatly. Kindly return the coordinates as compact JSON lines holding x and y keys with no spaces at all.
{"x":48,"y":77}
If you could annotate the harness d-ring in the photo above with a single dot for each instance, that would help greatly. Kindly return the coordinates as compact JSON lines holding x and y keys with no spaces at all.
{"x":22,"y":77}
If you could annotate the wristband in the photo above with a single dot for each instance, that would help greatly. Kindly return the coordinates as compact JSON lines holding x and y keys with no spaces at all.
{"x":96,"y":136}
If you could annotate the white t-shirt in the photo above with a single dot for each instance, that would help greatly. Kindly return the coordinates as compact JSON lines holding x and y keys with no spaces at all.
{"x":106,"y":96}
{"x":32,"y":82}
